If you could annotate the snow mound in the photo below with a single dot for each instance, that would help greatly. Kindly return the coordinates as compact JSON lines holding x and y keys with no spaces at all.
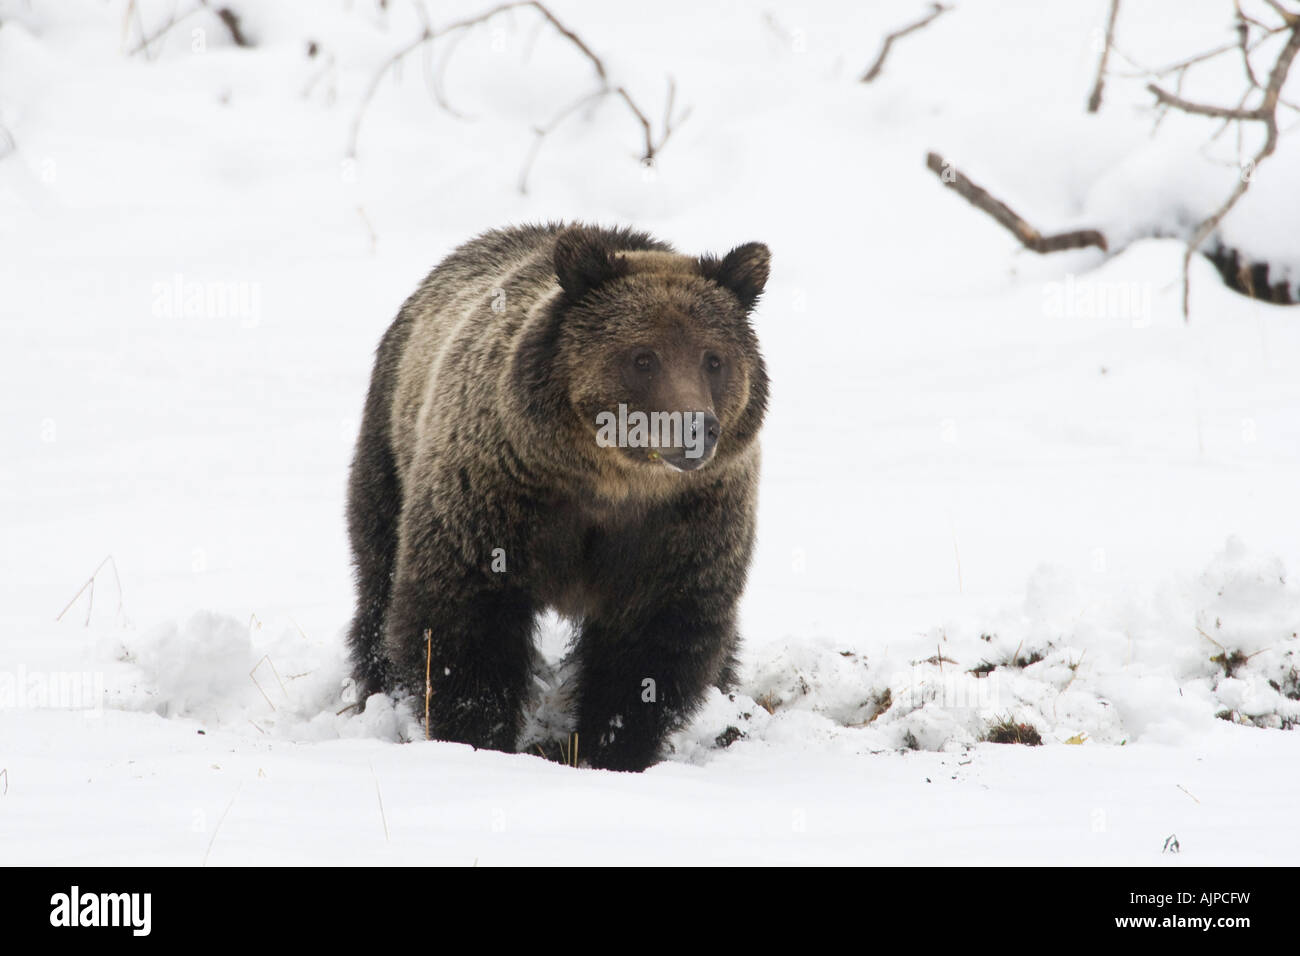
{"x":1077,"y":666}
{"x":225,"y":673}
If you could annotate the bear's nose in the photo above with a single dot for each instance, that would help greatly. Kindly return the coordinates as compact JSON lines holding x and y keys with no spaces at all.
{"x":711,"y":426}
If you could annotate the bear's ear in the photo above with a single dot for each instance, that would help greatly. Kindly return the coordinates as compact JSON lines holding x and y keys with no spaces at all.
{"x":743,"y":270}
{"x":583,"y":261}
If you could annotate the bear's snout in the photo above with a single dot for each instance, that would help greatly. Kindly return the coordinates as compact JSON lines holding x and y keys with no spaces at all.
{"x":703,"y":432}
{"x":700,"y":439}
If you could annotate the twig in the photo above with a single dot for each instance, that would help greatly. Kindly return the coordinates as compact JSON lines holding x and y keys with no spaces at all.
{"x":1166,"y":98}
{"x":221,"y":820}
{"x":227,"y":17}
{"x":1265,"y":112}
{"x":382,"y":816}
{"x":252,"y":675}
{"x":429,"y":34}
{"x":541,"y":132}
{"x":428,"y":683}
{"x":231,"y":20}
{"x":1211,"y":640}
{"x":936,"y":10}
{"x":1287,"y":16}
{"x":432,"y":77}
{"x":1030,"y":237}
{"x":1094,"y":101}
{"x":1243,"y":41}
{"x":90,"y":583}
{"x":365,"y":220}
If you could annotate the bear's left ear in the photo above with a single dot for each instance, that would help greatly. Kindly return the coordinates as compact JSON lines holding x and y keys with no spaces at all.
{"x":743,"y":270}
{"x":583,"y":261}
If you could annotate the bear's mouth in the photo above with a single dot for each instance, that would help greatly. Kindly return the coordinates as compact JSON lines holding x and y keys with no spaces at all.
{"x":678,"y":460}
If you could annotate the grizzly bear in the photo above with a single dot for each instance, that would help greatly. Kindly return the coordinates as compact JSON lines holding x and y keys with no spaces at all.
{"x":496,"y":476}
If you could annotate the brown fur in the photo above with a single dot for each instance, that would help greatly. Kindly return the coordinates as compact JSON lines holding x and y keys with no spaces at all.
{"x":479,"y":443}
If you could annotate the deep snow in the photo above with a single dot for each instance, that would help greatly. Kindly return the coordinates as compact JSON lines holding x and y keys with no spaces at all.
{"x":975,"y":456}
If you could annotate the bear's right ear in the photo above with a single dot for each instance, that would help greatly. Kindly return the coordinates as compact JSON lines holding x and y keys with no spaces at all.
{"x":583,"y":261}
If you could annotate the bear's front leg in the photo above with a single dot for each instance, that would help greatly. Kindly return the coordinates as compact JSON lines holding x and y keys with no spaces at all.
{"x":478,"y":654}
{"x":642,"y":677}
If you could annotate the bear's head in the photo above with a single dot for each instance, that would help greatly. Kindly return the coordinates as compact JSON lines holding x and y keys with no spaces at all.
{"x":655,"y":350}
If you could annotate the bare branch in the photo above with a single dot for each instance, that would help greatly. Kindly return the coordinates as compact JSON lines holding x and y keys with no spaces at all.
{"x":1094,"y":101}
{"x":1287,"y":16}
{"x":1265,"y":113}
{"x":1030,"y":237}
{"x":428,"y":35}
{"x":1202,"y":109}
{"x":228,"y":18}
{"x":146,"y":41}
{"x":936,"y":10}
{"x":424,"y":37}
{"x":541,"y":132}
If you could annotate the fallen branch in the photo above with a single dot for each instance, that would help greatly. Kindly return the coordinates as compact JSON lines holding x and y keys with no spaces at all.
{"x":1094,"y":101}
{"x":1030,"y":237}
{"x":936,"y":10}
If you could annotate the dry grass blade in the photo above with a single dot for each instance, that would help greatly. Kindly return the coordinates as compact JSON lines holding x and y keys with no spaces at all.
{"x":428,"y":680}
{"x":90,"y":585}
{"x":221,"y":820}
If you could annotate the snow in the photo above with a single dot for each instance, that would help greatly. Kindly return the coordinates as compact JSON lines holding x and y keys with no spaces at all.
{"x":976,"y":459}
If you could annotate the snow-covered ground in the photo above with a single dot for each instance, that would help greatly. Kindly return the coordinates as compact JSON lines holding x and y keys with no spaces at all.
{"x":998,"y":488}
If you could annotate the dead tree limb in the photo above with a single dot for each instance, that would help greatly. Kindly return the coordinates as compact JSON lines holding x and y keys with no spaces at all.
{"x":1030,"y":237}
{"x":1094,"y":101}
{"x":936,"y":10}
{"x":1265,"y":113}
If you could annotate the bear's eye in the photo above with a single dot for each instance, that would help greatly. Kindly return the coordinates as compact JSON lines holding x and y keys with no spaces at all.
{"x":713,"y":363}
{"x":644,"y":361}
